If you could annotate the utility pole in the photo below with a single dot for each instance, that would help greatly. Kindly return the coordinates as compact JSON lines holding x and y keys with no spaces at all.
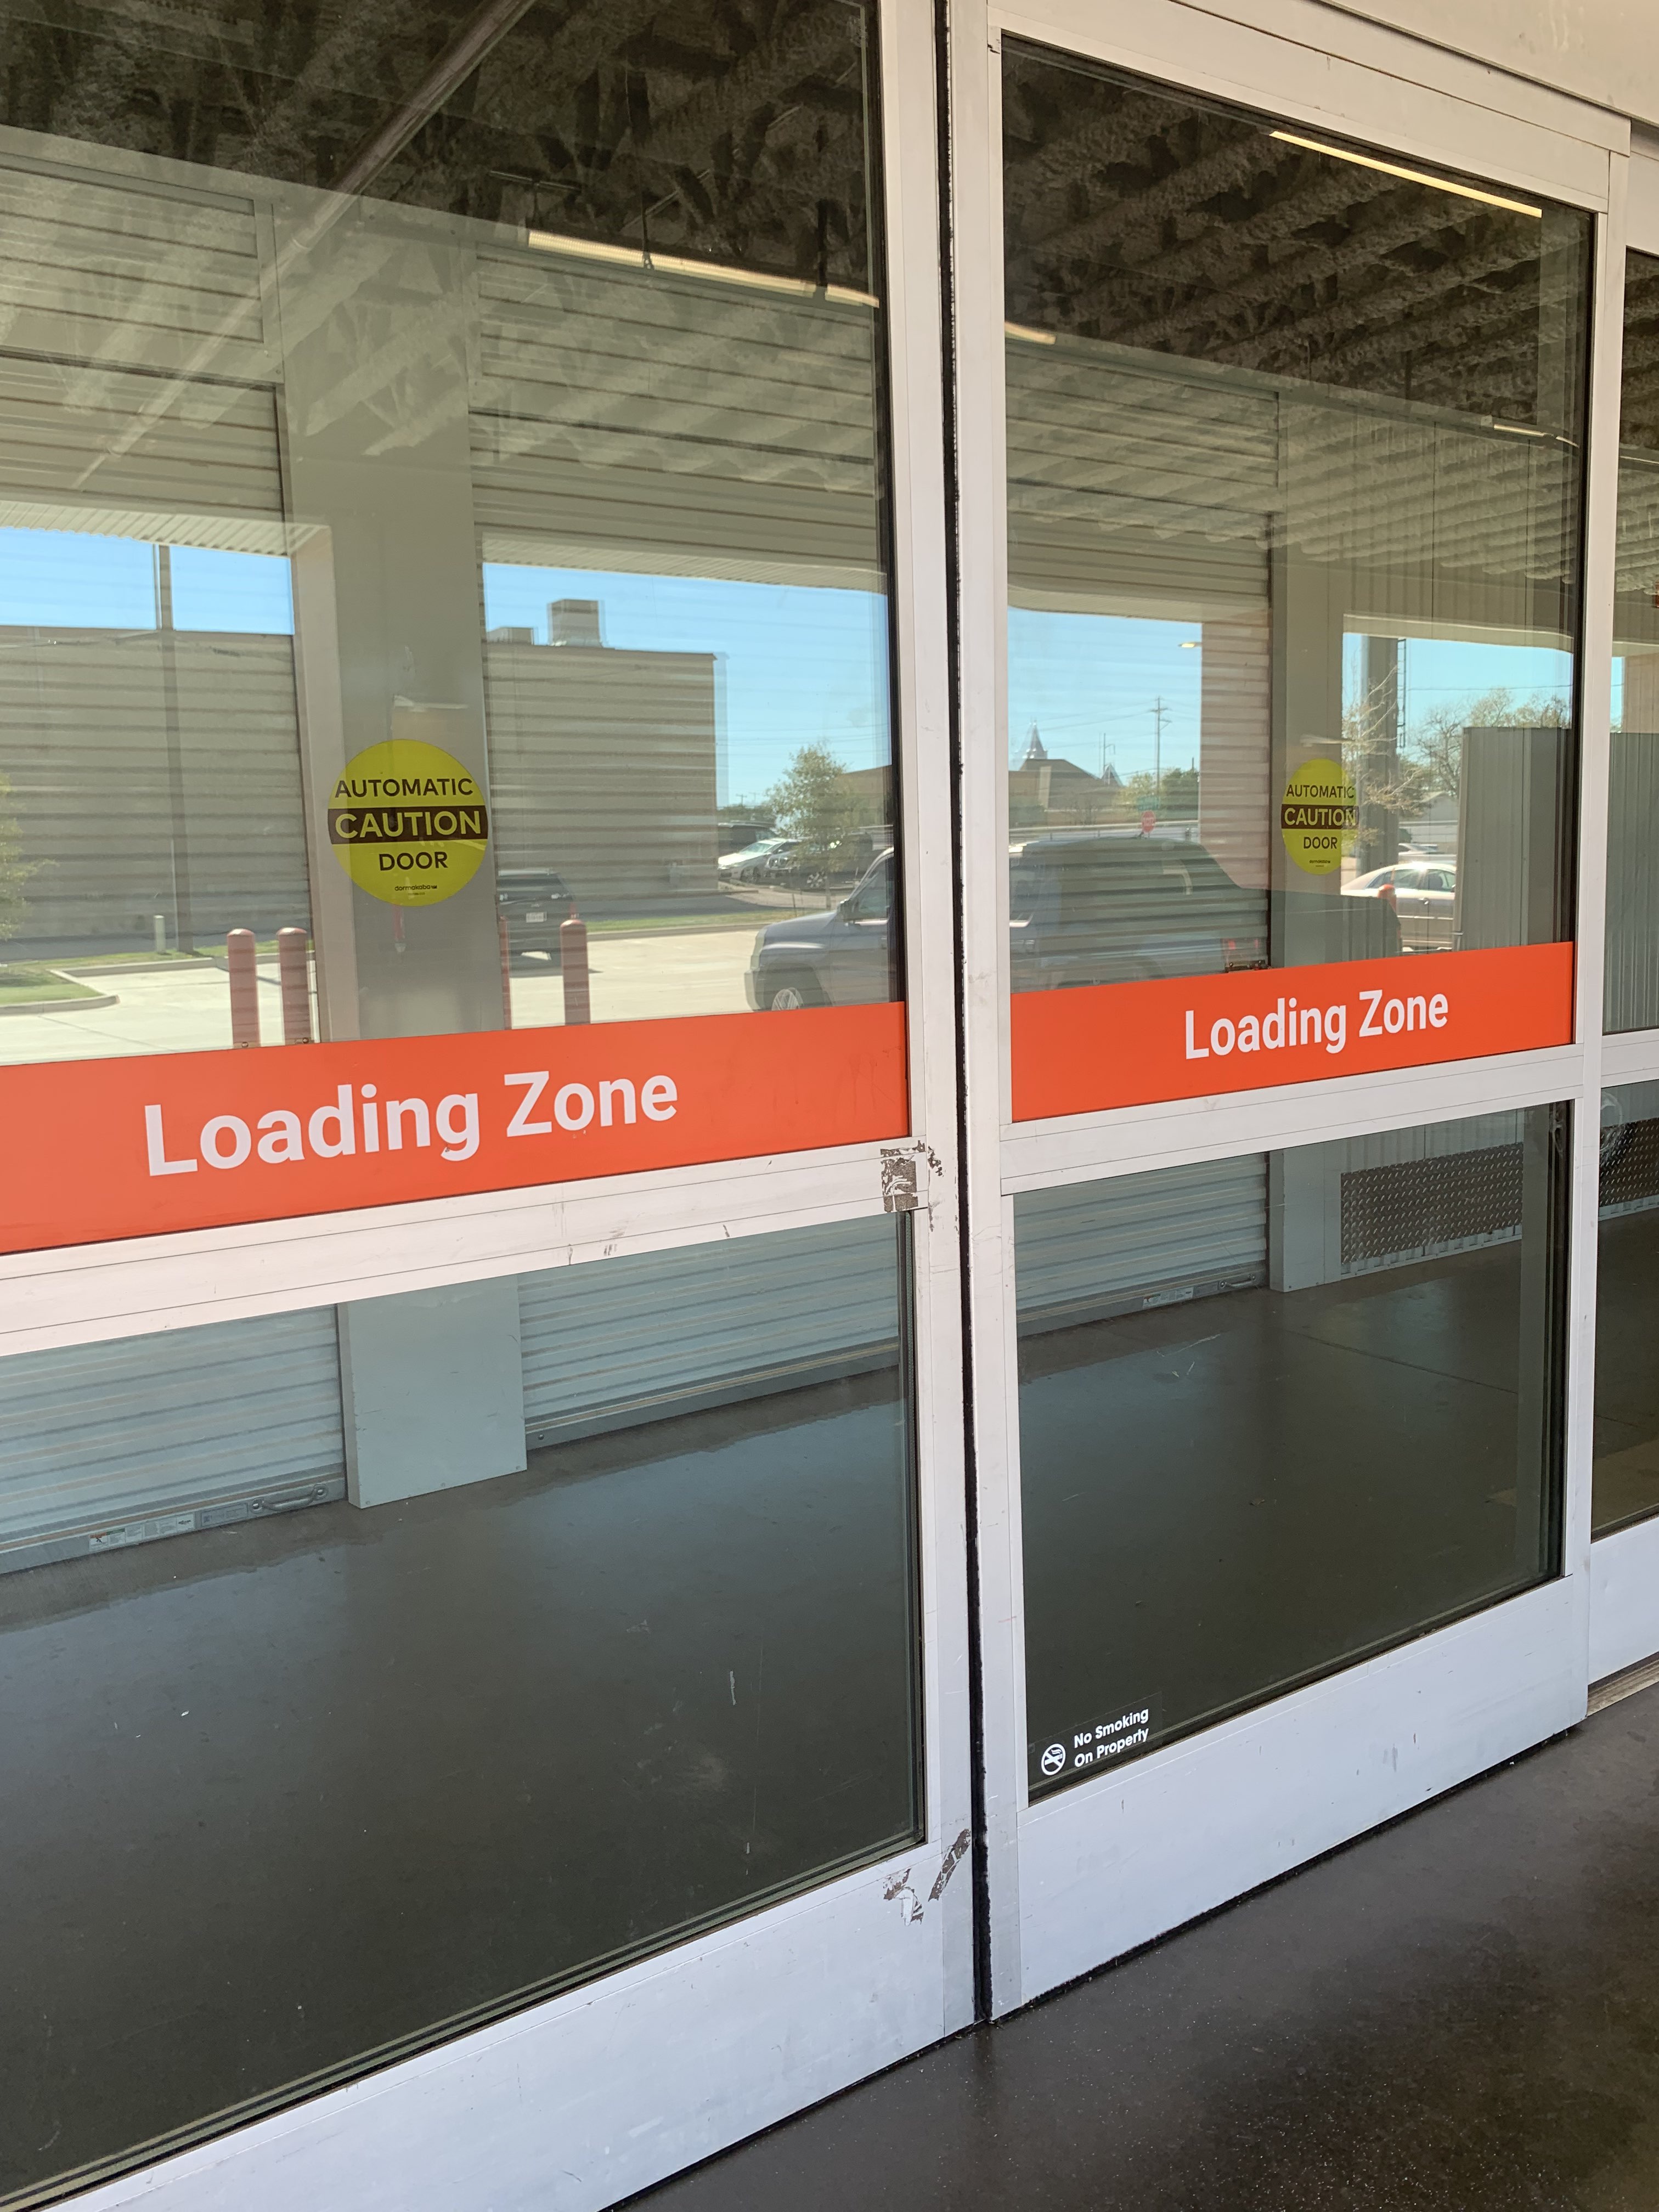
{"x":184,"y":914}
{"x":1158,"y":711}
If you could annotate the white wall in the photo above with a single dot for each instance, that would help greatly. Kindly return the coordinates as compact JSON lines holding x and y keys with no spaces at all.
{"x":1605,"y":51}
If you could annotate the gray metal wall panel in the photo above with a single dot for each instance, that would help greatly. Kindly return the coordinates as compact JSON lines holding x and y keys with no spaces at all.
{"x":1630,"y":987}
{"x":1140,"y":1240}
{"x":673,"y":425}
{"x":87,"y":759}
{"x":118,"y":271}
{"x":631,"y":1339}
{"x":103,"y":1438}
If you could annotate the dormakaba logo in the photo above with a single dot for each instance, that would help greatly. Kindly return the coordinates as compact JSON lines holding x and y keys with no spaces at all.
{"x":356,"y":1120}
{"x":1290,"y":1027}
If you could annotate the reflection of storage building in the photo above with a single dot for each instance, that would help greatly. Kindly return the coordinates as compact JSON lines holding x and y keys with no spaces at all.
{"x":152,"y":773}
{"x":602,"y":761}
{"x":1042,"y":789}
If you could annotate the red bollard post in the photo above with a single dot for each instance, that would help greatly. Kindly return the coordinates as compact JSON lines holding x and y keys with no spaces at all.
{"x":244,"y":987}
{"x":293,"y":967}
{"x":573,"y":966}
{"x":506,"y":971}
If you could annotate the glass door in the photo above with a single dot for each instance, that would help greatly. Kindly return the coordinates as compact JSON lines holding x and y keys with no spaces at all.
{"x":480,"y":1526}
{"x":1276,"y":704}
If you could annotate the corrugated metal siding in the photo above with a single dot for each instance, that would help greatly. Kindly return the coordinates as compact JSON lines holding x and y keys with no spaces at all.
{"x":116,"y":268}
{"x":110,"y":1444}
{"x":1085,"y":1251}
{"x":1631,"y":988}
{"x":86,"y":757}
{"x":1126,"y":484}
{"x":619,"y":1342}
{"x":672,"y":425}
{"x":162,"y":459}
{"x":1510,"y":812}
{"x":570,"y":729}
{"x":1235,"y":812}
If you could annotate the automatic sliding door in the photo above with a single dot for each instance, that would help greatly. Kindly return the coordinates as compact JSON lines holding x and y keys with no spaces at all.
{"x":1288,"y":483}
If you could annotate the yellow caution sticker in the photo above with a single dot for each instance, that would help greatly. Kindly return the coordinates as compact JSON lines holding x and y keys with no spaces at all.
{"x":408,"y":823}
{"x":1320,"y":808}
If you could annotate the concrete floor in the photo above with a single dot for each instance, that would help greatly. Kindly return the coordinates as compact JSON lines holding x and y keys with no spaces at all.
{"x":1460,"y":2011}
{"x":286,"y":1792}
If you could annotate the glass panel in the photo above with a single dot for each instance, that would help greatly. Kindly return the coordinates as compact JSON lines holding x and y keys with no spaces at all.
{"x":1631,"y":991}
{"x":441,"y":516}
{"x":1624,"y":1476}
{"x":598,"y":1626}
{"x":1277,"y":1413}
{"x":1294,"y":469}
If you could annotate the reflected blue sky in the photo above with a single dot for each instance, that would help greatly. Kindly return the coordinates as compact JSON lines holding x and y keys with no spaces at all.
{"x":1091,"y":686}
{"x":798,"y":665}
{"x":73,"y":579}
{"x":801,"y":665}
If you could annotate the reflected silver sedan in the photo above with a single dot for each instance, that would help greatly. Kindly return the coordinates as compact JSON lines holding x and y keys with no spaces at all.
{"x":1423,"y":893}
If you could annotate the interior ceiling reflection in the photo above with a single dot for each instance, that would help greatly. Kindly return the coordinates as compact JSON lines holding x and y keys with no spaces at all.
{"x":1163,"y":225}
{"x":729,"y":129}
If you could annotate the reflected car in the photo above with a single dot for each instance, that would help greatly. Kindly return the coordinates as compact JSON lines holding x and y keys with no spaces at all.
{"x":532,"y":902}
{"x":767,"y":867}
{"x":1423,"y":894}
{"x":735,"y":865}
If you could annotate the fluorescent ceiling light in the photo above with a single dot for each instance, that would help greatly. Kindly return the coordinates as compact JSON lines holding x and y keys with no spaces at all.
{"x":1030,"y":336}
{"x":1410,"y":176}
{"x":1521,"y":430}
{"x":680,"y":264}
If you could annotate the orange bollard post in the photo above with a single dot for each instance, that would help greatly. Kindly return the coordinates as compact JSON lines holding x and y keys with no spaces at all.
{"x":573,"y":966}
{"x":293,"y":967}
{"x":244,"y":987}
{"x":506,"y":971}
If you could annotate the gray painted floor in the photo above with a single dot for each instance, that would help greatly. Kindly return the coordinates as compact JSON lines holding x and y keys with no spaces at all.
{"x":1461,"y":2011}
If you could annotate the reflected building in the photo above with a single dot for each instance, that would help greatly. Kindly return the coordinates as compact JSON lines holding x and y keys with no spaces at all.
{"x":604,"y":761}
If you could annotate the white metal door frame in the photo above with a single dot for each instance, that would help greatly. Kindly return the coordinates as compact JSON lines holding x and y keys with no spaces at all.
{"x":1623,"y":1566}
{"x":1109,"y":1864}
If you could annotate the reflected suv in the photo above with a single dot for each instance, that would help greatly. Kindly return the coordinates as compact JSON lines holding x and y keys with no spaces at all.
{"x":1117,"y":909}
{"x":1081,"y":910}
{"x":841,"y":959}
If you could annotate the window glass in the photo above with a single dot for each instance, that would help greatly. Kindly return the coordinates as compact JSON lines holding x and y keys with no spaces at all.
{"x":371,"y":1672}
{"x":1277,"y":1413}
{"x":1631,"y":991}
{"x":1625,"y":1483}
{"x":1295,"y":440}
{"x":442,"y":518}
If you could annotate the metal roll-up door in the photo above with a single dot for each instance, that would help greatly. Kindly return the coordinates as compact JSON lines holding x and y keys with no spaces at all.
{"x":120,"y":268}
{"x":616,"y":1342}
{"x":673,"y":425}
{"x":112,"y":1444}
{"x":115,"y":454}
{"x":1085,"y":1252}
{"x":1134,"y":488}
